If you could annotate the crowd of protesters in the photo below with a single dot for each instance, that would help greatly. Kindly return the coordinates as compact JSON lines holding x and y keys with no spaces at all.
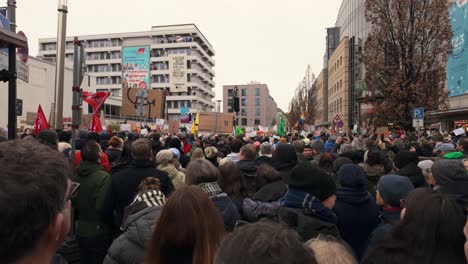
{"x":205,"y":199}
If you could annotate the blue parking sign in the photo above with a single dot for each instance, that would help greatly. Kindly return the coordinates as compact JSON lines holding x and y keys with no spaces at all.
{"x":418,"y":113}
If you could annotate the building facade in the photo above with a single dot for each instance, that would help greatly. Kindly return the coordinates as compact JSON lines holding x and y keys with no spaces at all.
{"x":40,"y":90}
{"x":338,"y":83}
{"x":322,"y":99}
{"x":257,"y":107}
{"x":104,"y":61}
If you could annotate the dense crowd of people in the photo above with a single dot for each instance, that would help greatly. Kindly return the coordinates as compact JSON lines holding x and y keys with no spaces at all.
{"x":159,"y":198}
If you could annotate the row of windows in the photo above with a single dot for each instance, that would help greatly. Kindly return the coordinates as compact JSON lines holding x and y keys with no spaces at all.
{"x":243,"y":92}
{"x":177,"y":104}
{"x":334,"y":88}
{"x":244,"y":122}
{"x":336,"y":107}
{"x":337,"y":65}
{"x":108,"y":80}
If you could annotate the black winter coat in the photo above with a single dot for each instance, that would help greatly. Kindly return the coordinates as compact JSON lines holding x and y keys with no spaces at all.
{"x":271,"y":192}
{"x":113,"y":155}
{"x":227,"y":209}
{"x":414,"y":173}
{"x":305,"y":223}
{"x":358,"y":215}
{"x":129,"y":247}
{"x":248,"y":170}
{"x":124,"y":186}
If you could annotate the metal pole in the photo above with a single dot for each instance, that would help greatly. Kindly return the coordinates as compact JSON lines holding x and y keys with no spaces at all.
{"x":12,"y":70}
{"x":76,"y":107}
{"x":60,"y":64}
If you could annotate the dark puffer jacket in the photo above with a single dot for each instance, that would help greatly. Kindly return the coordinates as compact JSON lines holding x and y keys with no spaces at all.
{"x":129,"y":247}
{"x":414,"y":173}
{"x":248,"y":170}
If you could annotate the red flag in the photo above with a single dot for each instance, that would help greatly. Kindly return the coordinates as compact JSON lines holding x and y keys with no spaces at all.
{"x":96,"y":100}
{"x":41,"y":122}
{"x":96,"y":124}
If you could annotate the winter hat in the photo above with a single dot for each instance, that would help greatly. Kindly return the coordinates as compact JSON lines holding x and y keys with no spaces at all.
{"x":83,"y":134}
{"x":425,"y":165}
{"x":404,"y":158}
{"x":448,"y":171}
{"x":265,"y":148}
{"x":164,"y":157}
{"x":175,"y":153}
{"x":393,"y":188}
{"x":446,"y":147}
{"x":312,"y":180}
{"x":175,"y":143}
{"x":283,"y":140}
{"x":211,"y":152}
{"x":352,"y":176}
{"x":339,"y":162}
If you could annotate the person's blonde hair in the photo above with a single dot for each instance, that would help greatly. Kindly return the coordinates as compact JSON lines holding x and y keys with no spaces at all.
{"x":328,"y":250}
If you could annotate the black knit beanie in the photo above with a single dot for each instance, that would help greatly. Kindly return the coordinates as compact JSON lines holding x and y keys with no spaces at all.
{"x":313,"y":180}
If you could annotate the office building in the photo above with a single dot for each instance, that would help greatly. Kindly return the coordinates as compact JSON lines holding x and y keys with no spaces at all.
{"x":320,"y":83}
{"x":104,"y":61}
{"x":338,"y":83}
{"x":257,"y":107}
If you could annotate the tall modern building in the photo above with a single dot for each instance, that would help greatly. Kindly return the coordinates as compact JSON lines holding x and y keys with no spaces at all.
{"x":257,"y":107}
{"x":104,"y":61}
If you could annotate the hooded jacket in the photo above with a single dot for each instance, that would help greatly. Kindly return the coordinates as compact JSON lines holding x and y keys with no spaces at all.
{"x":248,"y":170}
{"x":94,"y":182}
{"x":373,"y":174}
{"x":389,"y":217}
{"x":129,"y":247}
{"x":355,"y":208}
{"x":177,"y":177}
{"x":284,"y":159}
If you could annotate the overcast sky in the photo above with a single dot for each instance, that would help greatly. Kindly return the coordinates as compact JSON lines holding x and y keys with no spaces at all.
{"x":268,"y":41}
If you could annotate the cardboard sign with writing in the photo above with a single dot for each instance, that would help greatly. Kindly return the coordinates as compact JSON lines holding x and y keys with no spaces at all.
{"x":382,"y":130}
{"x":174,"y":127}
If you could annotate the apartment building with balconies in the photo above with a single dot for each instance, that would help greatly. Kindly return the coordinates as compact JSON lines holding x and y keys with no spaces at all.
{"x":104,"y":61}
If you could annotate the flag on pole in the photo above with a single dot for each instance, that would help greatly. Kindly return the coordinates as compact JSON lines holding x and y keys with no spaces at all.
{"x":195,"y":124}
{"x":41,"y":122}
{"x":239,"y":130}
{"x":96,"y":124}
{"x":95,"y":100}
{"x":281,"y":130}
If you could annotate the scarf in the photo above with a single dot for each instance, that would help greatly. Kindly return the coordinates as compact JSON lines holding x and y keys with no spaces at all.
{"x":211,"y":188}
{"x":151,"y":198}
{"x":299,"y":199}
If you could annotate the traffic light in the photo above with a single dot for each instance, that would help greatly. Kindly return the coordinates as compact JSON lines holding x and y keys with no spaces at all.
{"x":235,"y":106}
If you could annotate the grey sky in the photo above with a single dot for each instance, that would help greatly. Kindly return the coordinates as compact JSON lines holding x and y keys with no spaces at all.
{"x":268,"y":41}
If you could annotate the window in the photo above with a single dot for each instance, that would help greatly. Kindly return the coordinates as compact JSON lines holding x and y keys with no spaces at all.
{"x":244,"y":92}
{"x":176,"y":104}
{"x":341,"y":105}
{"x":257,"y":91}
{"x":189,"y":104}
{"x":257,"y":101}
{"x":244,"y":102}
{"x":244,"y":111}
{"x":230,"y":102}
{"x":257,"y":111}
{"x":244,"y":121}
{"x":257,"y":122}
{"x":230,"y":93}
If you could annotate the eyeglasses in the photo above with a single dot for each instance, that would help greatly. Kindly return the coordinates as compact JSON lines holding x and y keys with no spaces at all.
{"x":73,"y":191}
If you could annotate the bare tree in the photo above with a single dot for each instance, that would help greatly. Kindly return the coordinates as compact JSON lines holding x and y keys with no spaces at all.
{"x":304,"y":100}
{"x":405,"y":57}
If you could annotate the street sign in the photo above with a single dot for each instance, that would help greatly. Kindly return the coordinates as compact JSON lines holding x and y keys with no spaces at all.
{"x":19,"y":107}
{"x":418,"y":113}
{"x":418,"y":123}
{"x":23,"y":53}
{"x":338,"y":121}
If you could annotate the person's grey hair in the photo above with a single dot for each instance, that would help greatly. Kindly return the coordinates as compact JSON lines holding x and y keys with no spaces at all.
{"x":328,"y":250}
{"x":358,"y":144}
{"x":298,"y":145}
{"x":201,"y":171}
{"x":345,"y":148}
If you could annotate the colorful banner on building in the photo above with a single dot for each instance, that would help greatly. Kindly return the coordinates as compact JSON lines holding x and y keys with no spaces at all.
{"x":457,"y":66}
{"x":184,"y":115}
{"x":178,"y":73}
{"x":136,"y":67}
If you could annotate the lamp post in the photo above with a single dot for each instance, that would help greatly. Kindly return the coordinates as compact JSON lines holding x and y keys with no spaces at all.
{"x":60,"y":64}
{"x":11,"y":14}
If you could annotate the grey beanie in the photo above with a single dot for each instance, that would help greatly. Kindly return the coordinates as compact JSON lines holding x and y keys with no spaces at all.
{"x":265,"y":148}
{"x":393,"y":188}
{"x":448,"y":171}
{"x":318,"y":145}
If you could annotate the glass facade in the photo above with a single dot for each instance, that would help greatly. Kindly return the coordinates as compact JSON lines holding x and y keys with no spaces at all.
{"x":351,"y":19}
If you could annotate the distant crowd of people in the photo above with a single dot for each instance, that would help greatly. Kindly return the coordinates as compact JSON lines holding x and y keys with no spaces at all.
{"x":159,"y":198}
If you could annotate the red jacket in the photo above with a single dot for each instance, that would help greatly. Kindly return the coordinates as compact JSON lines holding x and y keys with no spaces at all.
{"x":187,"y":147}
{"x":104,"y":161}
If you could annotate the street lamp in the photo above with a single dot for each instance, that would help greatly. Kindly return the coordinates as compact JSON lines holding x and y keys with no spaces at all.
{"x":60,"y":64}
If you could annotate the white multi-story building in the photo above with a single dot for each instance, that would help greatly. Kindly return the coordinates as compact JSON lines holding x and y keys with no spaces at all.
{"x":104,"y":61}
